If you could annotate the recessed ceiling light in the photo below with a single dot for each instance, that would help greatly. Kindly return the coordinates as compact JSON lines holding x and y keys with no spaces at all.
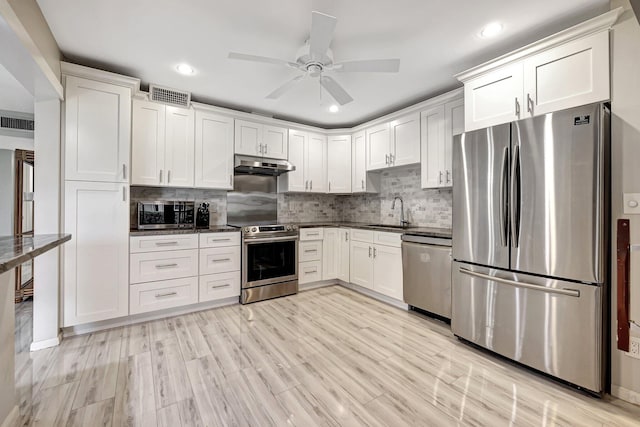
{"x":184,"y":69}
{"x":334,"y":108}
{"x":491,"y":30}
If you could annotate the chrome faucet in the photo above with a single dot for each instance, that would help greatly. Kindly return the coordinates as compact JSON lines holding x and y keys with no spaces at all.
{"x":403,"y":223}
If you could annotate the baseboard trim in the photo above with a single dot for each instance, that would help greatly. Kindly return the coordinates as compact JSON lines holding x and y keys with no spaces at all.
{"x":88,"y":328}
{"x":11,"y":419}
{"x":625,"y":394}
{"x":375,"y":295}
{"x":316,"y":285}
{"x":40,"y":345}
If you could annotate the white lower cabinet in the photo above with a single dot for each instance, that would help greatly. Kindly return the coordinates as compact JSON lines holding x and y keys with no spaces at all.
{"x":387,"y":271}
{"x":95,"y":284}
{"x":361,"y":263}
{"x":154,"y":266}
{"x":219,"y":266}
{"x":219,"y":260}
{"x":218,"y":286}
{"x":330,"y":254}
{"x":310,"y":271}
{"x":310,"y":251}
{"x":343,"y":254}
{"x":161,"y":295}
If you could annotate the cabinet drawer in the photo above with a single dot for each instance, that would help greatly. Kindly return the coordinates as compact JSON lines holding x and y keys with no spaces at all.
{"x":310,"y":271}
{"x":310,"y":251}
{"x":216,"y":240}
{"x":153,"y":266}
{"x":388,"y":239}
{"x":219,"y":286}
{"x":164,"y":294}
{"x":311,"y":234}
{"x":219,"y":260}
{"x":163,"y":242}
{"x":362,"y":235}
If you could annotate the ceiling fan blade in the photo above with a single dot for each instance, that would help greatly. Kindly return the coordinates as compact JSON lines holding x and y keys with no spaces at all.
{"x":263,"y":59}
{"x":285,"y":87}
{"x":322,"y":27}
{"x":369,"y":66}
{"x":335,"y":90}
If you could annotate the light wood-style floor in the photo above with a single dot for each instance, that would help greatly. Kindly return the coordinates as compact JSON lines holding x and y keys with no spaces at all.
{"x":324,"y":357}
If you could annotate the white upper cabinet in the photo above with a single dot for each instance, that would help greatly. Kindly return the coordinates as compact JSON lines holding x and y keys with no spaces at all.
{"x":214,"y":151}
{"x":378,"y":147}
{"x":308,"y":153}
{"x":405,"y":140}
{"x":339,"y":164}
{"x":97,"y":131}
{"x":494,"y":98}
{"x":573,"y":74}
{"x":256,"y":139}
{"x":361,"y":181}
{"x":453,"y":125}
{"x":565,"y":70}
{"x":163,"y":145}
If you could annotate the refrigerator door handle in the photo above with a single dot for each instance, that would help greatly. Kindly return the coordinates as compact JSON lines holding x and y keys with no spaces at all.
{"x":503,"y":197}
{"x":515,"y":197}
{"x":567,"y":292}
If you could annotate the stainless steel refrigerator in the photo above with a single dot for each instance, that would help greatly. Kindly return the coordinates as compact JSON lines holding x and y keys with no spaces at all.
{"x":530,"y":241}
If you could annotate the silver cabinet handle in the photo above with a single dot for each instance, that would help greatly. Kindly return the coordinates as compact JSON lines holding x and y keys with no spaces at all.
{"x":124,"y":193}
{"x":440,"y":178}
{"x":173,"y":265}
{"x":448,"y":176}
{"x":375,"y":252}
{"x":124,"y":171}
{"x":230,"y":180}
{"x":306,"y":185}
{"x":311,"y":185}
{"x":168,"y":294}
{"x":363,"y":184}
{"x":266,"y":148}
{"x":391,"y":159}
{"x":168,"y":177}
{"x":311,"y":271}
{"x":166,"y":243}
{"x":221,"y":240}
{"x":311,"y":250}
{"x":369,"y":251}
{"x":346,"y":236}
{"x":386,"y":159}
{"x":221,"y":260}
{"x":226,"y":285}
{"x":329,"y":186}
{"x":567,"y":292}
{"x":160,"y":176}
{"x":517,"y":108}
{"x":529,"y":104}
{"x":313,"y":234}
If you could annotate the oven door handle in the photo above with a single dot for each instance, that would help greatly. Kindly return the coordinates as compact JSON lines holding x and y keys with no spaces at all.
{"x":251,"y":241}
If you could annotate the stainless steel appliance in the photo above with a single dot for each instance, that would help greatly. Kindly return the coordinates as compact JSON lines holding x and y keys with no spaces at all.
{"x":426,"y":269}
{"x":530,"y":242}
{"x":261,"y":166}
{"x":269,"y":249}
{"x":156,"y":215}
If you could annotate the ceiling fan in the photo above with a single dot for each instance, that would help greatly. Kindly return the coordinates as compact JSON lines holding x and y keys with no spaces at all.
{"x":315,"y":58}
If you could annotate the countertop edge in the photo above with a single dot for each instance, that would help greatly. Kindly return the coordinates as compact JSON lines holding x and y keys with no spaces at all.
{"x":22,"y":258}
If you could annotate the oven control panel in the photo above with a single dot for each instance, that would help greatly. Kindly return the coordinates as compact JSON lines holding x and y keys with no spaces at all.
{"x":269,"y":230}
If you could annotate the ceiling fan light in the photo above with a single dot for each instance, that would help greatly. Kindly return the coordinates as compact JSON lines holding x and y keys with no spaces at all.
{"x":491,"y":30}
{"x":185,"y":69}
{"x":334,"y":108}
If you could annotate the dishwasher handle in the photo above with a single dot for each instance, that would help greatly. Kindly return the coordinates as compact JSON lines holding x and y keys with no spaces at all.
{"x":425,"y":240}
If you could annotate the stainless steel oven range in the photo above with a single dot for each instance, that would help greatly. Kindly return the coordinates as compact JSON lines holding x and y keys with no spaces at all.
{"x":269,"y":262}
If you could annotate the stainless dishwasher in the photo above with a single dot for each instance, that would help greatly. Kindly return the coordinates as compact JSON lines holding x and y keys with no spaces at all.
{"x":426,"y":267}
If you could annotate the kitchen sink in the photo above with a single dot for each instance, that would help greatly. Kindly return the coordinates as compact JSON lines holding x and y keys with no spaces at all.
{"x":388,"y":226}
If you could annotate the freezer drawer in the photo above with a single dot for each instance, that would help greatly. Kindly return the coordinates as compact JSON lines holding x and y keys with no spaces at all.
{"x":550,"y":325}
{"x":427,"y":277}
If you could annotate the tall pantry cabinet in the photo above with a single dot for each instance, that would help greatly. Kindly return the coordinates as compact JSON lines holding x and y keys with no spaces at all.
{"x":96,"y":147}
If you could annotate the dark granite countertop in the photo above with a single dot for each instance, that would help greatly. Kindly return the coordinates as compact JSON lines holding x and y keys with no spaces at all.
{"x":212,"y":229}
{"x":16,"y":250}
{"x":418,"y":231}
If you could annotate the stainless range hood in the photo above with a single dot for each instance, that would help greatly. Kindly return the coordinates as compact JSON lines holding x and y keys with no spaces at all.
{"x":260,"y":166}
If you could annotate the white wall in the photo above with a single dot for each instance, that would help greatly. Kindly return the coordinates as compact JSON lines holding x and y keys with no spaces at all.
{"x":7,"y":174}
{"x":13,"y":143}
{"x":625,"y":177}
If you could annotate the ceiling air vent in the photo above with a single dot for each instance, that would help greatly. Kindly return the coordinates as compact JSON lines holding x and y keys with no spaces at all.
{"x":170,"y":96}
{"x":13,"y":123}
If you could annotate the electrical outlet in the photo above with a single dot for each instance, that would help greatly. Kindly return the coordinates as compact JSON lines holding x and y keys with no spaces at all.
{"x":634,"y":347}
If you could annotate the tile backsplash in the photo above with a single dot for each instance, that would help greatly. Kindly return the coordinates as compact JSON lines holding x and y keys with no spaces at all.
{"x":426,"y":208}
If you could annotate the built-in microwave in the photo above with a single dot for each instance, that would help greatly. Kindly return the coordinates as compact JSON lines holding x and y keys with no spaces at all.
{"x":165,"y":214}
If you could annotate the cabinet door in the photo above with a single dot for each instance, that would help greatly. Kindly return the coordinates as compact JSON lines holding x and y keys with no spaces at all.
{"x":343,"y":254}
{"x":247,"y":138}
{"x":296,"y":180}
{"x":570,"y":75}
{"x":433,"y":141}
{"x":453,"y":125}
{"x":316,"y":163}
{"x":274,"y":140}
{"x":405,"y":140}
{"x":330,"y":254}
{"x":361,"y":264}
{"x":147,"y":154}
{"x":179,"y":146}
{"x":387,"y":271}
{"x":359,"y":163}
{"x":494,"y":98}
{"x":97,"y":131}
{"x":96,"y":268}
{"x":339,"y":164}
{"x":378,"y":147}
{"x":214,"y":151}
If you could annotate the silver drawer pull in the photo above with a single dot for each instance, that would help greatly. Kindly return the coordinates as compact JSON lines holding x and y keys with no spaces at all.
{"x":313,"y":234}
{"x":311,"y":250}
{"x":311,"y":271}
{"x":226,"y":285}
{"x":221,"y":260}
{"x":168,"y":294}
{"x":567,"y":292}
{"x":167,"y":265}
{"x":221,"y":240}
{"x":166,"y":243}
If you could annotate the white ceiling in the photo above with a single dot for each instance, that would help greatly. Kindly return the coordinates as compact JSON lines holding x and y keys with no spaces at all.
{"x":433,"y":38}
{"x":14,"y":97}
